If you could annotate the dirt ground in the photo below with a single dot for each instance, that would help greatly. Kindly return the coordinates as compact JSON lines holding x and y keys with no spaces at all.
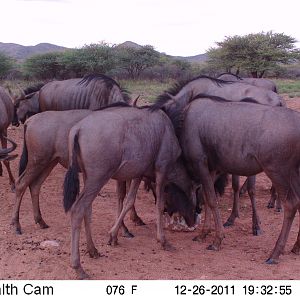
{"x":242,"y":255}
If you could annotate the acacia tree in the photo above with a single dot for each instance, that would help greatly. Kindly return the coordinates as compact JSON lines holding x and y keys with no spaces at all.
{"x":135,"y":61}
{"x":6,"y":64}
{"x":253,"y":53}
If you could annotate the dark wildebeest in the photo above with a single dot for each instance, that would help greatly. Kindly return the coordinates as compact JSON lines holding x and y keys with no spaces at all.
{"x":235,"y":91}
{"x":243,"y":139}
{"x":268,"y":85}
{"x":90,"y":92}
{"x":123,"y":143}
{"x":6,"y":118}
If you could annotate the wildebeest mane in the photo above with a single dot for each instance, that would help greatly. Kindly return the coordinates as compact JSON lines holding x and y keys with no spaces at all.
{"x":33,"y":88}
{"x":109,"y":82}
{"x":228,"y":73}
{"x":162,"y":99}
{"x":122,"y":104}
{"x":116,"y":104}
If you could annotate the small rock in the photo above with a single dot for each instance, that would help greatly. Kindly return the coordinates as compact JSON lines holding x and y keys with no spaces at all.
{"x":49,"y":243}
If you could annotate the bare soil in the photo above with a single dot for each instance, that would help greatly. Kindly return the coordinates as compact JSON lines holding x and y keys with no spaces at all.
{"x":242,"y":255}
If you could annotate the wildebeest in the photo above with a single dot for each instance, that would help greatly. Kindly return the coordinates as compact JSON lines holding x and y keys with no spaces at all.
{"x":213,"y":139}
{"x":123,"y":143}
{"x":259,"y":82}
{"x":45,"y":140}
{"x":6,"y":118}
{"x":235,"y":91}
{"x":90,"y":92}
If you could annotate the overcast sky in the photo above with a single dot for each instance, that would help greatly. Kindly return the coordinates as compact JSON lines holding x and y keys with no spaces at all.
{"x":176,"y":27}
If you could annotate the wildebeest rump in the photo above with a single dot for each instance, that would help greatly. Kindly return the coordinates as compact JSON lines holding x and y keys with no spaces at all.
{"x":90,"y":92}
{"x":124,"y":144}
{"x":214,"y":139}
{"x":6,"y":118}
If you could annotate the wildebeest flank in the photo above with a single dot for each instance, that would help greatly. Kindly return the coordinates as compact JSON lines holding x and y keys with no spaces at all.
{"x":90,"y":92}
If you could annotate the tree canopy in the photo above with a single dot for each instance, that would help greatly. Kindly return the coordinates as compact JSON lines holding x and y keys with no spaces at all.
{"x":253,"y":53}
{"x":6,"y":64}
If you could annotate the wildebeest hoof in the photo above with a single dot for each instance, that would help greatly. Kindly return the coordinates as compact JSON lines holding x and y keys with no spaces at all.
{"x":81,"y":274}
{"x":112,"y":241}
{"x":139,"y":222}
{"x":18,"y":231}
{"x":278,"y":209}
{"x":228,"y":223}
{"x":296,"y":249}
{"x":272,"y":261}
{"x":42,"y":224}
{"x":201,"y":237}
{"x":128,"y":234}
{"x":213,"y":247}
{"x":13,"y":188}
{"x":168,"y":247}
{"x":270,"y":205}
{"x":257,"y":232}
{"x":93,"y":253}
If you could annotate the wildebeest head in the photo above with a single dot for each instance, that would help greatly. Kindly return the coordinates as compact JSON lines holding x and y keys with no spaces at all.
{"x":27,"y":106}
{"x":176,"y":201}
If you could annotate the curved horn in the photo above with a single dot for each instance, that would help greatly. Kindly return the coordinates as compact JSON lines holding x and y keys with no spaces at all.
{"x":8,"y":150}
{"x":135,"y":101}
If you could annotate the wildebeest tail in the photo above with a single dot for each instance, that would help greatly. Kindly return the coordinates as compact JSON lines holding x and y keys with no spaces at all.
{"x":220,"y":184}
{"x":24,"y":157}
{"x":71,"y":182}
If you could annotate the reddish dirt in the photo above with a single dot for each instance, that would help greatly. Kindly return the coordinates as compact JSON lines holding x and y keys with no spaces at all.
{"x":242,"y":255}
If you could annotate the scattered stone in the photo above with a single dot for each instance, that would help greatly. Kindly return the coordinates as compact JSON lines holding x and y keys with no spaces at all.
{"x":49,"y":243}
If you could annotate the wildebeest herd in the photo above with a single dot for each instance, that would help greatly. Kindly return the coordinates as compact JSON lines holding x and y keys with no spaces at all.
{"x":184,"y":144}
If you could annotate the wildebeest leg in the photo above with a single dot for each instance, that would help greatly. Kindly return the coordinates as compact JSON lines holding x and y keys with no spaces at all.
{"x":160,"y":186}
{"x":286,"y":193}
{"x":296,"y":248}
{"x":27,"y":178}
{"x":255,"y":218}
{"x":35,"y":187}
{"x":91,"y":249}
{"x":6,"y":163}
{"x":80,"y":208}
{"x":206,"y":229}
{"x":121,"y":194}
{"x":236,"y":201}
{"x":134,"y":217}
{"x":274,"y":199}
{"x":129,"y":201}
{"x":211,"y":200}
{"x":243,"y":189}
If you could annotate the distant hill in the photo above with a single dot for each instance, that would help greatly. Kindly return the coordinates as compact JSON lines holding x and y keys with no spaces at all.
{"x":20,"y":52}
{"x":129,"y":44}
{"x":191,"y":59}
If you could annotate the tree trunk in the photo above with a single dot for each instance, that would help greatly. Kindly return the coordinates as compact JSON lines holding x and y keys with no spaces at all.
{"x":254,"y":74}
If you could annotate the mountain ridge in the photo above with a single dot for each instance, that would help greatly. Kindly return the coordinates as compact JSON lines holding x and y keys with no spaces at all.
{"x":20,"y":52}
